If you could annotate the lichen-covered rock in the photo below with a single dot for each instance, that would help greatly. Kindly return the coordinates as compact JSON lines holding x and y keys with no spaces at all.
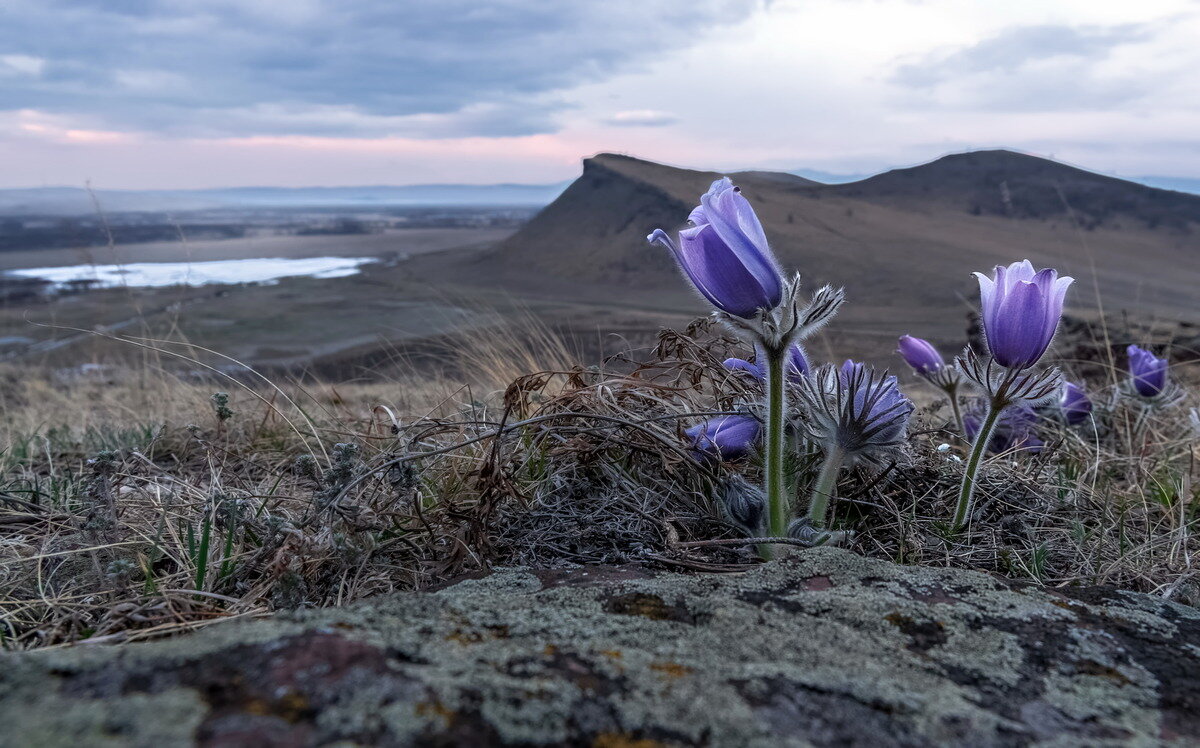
{"x":822,"y":648}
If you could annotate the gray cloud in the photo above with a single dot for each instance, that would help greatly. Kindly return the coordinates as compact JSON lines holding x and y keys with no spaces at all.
{"x":1014,"y":48}
{"x":423,"y":68}
{"x":1028,"y":68}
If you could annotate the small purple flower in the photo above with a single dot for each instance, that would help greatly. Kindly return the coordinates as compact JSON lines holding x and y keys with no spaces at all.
{"x":797,"y":365}
{"x":856,"y":410}
{"x":920,"y":355}
{"x":1014,"y":430}
{"x":724,"y":253}
{"x":725,"y":437}
{"x":1021,"y":310}
{"x":1148,"y":372}
{"x":1075,"y":405}
{"x":876,"y":402}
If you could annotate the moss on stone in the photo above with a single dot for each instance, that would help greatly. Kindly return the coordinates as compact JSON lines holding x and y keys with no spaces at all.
{"x":823,"y":647}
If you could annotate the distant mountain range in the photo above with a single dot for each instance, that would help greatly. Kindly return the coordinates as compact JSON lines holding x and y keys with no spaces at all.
{"x":76,"y":201}
{"x":72,"y":201}
{"x":903,"y":243}
{"x":1179,"y":184}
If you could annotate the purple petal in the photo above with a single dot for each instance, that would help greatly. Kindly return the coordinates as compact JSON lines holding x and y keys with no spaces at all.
{"x":920,"y":354}
{"x":1047,"y":281}
{"x":1149,"y":373}
{"x":849,"y":370}
{"x":797,"y":363}
{"x":719,"y":275}
{"x":730,"y":215}
{"x":726,"y":437}
{"x":1019,"y":272}
{"x":987,"y":293}
{"x":1016,"y":333}
{"x":740,"y":364}
{"x":1075,"y":405}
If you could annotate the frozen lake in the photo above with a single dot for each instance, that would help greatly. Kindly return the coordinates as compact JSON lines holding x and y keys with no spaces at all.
{"x":260,"y":270}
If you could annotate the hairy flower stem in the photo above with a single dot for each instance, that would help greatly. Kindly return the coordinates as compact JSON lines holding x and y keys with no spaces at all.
{"x":975,"y":460}
{"x":826,"y":483}
{"x":778,"y":506}
{"x":952,"y":393}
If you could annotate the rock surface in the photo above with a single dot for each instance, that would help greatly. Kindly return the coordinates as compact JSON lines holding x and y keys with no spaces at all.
{"x":823,"y":648}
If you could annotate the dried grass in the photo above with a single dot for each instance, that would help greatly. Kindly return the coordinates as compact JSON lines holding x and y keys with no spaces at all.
{"x":130,"y":508}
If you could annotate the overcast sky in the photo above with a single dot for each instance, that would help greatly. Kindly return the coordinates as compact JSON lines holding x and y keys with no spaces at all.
{"x":202,"y":93}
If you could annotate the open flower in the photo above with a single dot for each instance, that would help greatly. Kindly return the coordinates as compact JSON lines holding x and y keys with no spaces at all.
{"x":724,"y":253}
{"x":855,"y":410}
{"x":1021,"y":309}
{"x":1075,"y":405}
{"x":797,"y":365}
{"x":1147,"y":372}
{"x":920,"y":355}
{"x":725,"y":437}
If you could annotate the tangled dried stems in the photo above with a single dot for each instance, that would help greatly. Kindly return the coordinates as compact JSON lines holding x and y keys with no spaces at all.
{"x":132,"y":505}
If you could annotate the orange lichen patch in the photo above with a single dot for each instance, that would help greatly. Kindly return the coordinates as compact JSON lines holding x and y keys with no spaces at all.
{"x":474,"y":637}
{"x":1070,"y":605}
{"x":290,"y":707}
{"x":550,"y":650}
{"x":435,"y":708}
{"x":671,"y":669}
{"x":611,"y":654}
{"x":1091,"y":667}
{"x":619,"y":740}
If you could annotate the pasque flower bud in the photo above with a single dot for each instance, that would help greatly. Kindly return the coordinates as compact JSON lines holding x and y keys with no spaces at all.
{"x":920,"y":355}
{"x":1147,"y":372}
{"x":725,"y":255}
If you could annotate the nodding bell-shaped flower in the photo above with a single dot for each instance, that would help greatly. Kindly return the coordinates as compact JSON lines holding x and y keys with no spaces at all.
{"x":1147,"y":372}
{"x":1074,"y":403}
{"x":725,"y":437}
{"x":856,"y":410}
{"x":744,"y":503}
{"x":797,"y":365}
{"x":1021,"y":309}
{"x":1014,"y":430}
{"x":724,"y":253}
{"x":920,"y":355}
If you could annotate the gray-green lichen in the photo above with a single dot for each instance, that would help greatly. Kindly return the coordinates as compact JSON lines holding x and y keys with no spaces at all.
{"x":821,"y":648}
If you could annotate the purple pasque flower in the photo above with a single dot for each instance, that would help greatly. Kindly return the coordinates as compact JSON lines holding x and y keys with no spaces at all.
{"x":725,"y":437}
{"x":1147,"y":372}
{"x":1015,"y":429}
{"x":725,"y":255}
{"x":1021,"y":309}
{"x":1075,"y":405}
{"x":920,"y":355}
{"x":797,"y":364}
{"x":855,"y":409}
{"x":876,"y":402}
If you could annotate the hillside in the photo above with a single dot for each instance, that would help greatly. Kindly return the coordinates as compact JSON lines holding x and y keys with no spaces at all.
{"x":903,"y":243}
{"x":1016,"y":185}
